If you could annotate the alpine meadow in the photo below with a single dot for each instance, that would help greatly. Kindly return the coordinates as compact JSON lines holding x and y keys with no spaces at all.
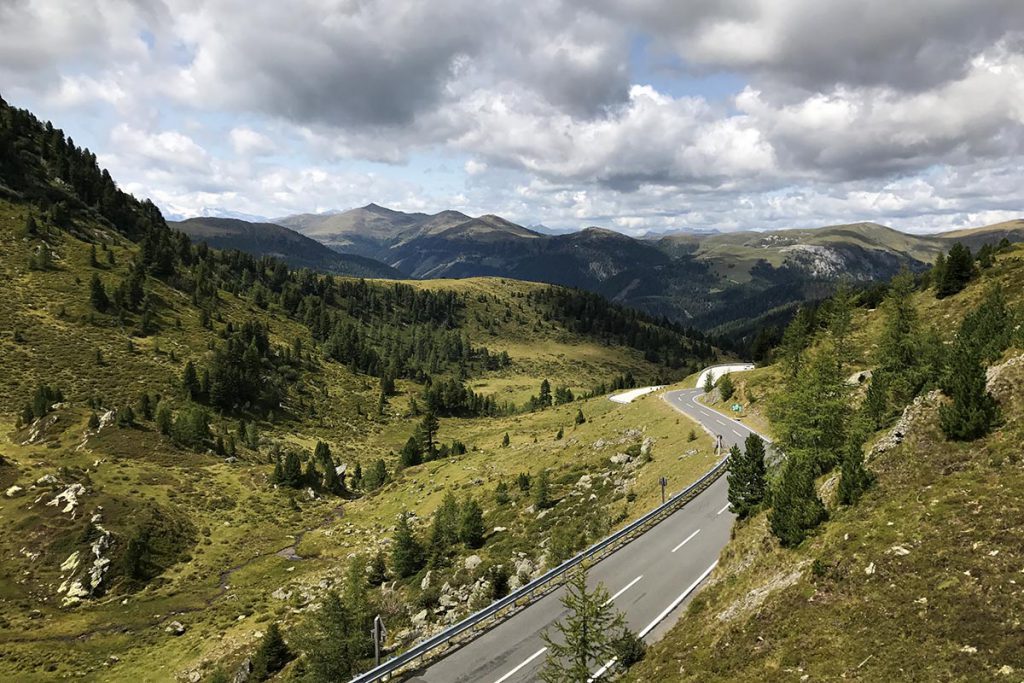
{"x":511,"y":342}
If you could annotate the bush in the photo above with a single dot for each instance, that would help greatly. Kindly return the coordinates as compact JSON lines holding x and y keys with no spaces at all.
{"x":629,"y":648}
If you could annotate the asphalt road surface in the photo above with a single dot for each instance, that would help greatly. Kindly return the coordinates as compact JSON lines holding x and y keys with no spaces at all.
{"x":649,"y":579}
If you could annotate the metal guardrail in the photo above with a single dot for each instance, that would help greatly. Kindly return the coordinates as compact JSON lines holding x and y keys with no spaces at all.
{"x":489,"y":616}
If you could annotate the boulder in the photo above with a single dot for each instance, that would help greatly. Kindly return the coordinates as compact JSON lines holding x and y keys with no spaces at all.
{"x":175,"y":628}
{"x":619,"y":459}
{"x":472,"y":562}
{"x":13,"y":491}
{"x":425,"y":583}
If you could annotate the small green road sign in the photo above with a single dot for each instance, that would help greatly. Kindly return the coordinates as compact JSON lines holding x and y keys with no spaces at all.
{"x":736,"y":407}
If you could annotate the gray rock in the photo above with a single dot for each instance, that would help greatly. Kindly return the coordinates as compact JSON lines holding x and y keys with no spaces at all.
{"x":472,"y":562}
{"x":175,"y":628}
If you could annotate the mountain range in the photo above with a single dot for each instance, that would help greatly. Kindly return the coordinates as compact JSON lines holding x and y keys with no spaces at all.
{"x":708,"y":280}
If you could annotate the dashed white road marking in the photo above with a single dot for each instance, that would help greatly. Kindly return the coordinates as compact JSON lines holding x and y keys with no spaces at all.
{"x":723,"y":509}
{"x":685,"y":540}
{"x":624,"y":589}
{"x":529,"y":659}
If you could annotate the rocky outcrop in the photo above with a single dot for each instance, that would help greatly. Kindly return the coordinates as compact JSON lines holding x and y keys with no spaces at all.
{"x":912,"y":414}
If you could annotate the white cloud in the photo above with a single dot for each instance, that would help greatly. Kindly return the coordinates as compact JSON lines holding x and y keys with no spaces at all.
{"x":248,"y":142}
{"x":909,"y":113}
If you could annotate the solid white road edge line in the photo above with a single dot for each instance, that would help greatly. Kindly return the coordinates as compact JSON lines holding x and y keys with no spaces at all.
{"x":604,"y":669}
{"x":529,"y":659}
{"x":623,"y":590}
{"x":686,"y":540}
{"x":723,"y":509}
{"x":675,"y":603}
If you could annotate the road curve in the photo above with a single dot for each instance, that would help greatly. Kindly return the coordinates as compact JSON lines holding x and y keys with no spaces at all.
{"x":649,"y":579}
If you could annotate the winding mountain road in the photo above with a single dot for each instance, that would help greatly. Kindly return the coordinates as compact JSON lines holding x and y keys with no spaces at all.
{"x":649,"y":579}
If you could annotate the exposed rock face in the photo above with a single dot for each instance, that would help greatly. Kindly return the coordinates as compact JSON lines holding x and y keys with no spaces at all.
{"x":472,"y":562}
{"x":1003,"y":379}
{"x":911,"y":415}
{"x":69,"y":498}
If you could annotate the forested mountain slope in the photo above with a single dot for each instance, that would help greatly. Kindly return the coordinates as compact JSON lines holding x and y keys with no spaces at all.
{"x":197,"y":445}
{"x":887,"y":544}
{"x":267,"y":239}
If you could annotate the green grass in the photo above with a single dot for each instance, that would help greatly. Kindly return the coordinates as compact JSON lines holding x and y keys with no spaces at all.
{"x":220,"y":581}
{"x":920,"y":581}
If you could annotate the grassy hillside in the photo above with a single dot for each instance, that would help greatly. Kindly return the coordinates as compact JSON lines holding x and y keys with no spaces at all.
{"x":161,"y":546}
{"x":918,"y":581}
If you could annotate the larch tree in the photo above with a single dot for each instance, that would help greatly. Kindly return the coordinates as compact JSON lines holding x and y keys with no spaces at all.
{"x":588,"y":633}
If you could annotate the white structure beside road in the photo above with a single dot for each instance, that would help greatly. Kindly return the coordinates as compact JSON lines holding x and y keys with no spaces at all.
{"x":633,"y":394}
{"x":719,"y":370}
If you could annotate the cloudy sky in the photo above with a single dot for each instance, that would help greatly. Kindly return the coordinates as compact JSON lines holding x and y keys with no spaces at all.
{"x":636,"y":115}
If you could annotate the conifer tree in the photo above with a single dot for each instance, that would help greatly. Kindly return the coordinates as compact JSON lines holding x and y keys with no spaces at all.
{"x":854,"y":479}
{"x":747,"y":477}
{"x":958,"y":271}
{"x":501,"y":496}
{"x":796,"y":508}
{"x":709,"y":383}
{"x":378,"y":573}
{"x":444,"y":532}
{"x":190,"y":381}
{"x":98,"y":295}
{"x":726,"y":388}
{"x":471,"y":524}
{"x":164,"y":419}
{"x":426,"y":433}
{"x":505,"y":441}
{"x":544,"y":399}
{"x":542,"y":493}
{"x":412,"y":453}
{"x":407,"y":553}
{"x":291,"y":471}
{"x":973,"y":411}
{"x":325,"y":640}
{"x":580,"y":418}
{"x":587,"y":633}
{"x":271,"y":655}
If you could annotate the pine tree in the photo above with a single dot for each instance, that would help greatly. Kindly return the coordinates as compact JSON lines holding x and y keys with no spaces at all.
{"x":324,"y":642}
{"x":378,"y":573}
{"x":542,"y":493}
{"x":505,"y":441}
{"x":854,"y":479}
{"x":709,"y":382}
{"x":747,"y":477}
{"x":94,"y":422}
{"x":958,"y":271}
{"x":190,"y":381}
{"x":501,"y":496}
{"x":587,"y":633}
{"x":580,"y":418}
{"x":559,"y":434}
{"x":973,"y":411}
{"x":444,"y":532}
{"x":98,"y":295}
{"x":726,"y":388}
{"x":271,"y":655}
{"x":811,"y":412}
{"x":164,"y":419}
{"x":291,"y":471}
{"x":544,"y":400}
{"x":471,"y":525}
{"x":125,"y":417}
{"x":427,"y":432}
{"x":412,"y":453}
{"x":406,"y":553}
{"x":796,"y":508}
{"x":92,"y":256}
